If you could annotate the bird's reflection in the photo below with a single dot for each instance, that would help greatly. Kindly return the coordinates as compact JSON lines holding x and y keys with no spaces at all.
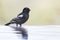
{"x":22,"y":31}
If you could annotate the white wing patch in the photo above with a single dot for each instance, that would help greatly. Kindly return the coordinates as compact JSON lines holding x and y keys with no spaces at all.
{"x":20,"y":16}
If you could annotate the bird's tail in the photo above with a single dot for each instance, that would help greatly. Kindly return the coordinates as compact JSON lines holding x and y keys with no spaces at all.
{"x":7,"y":24}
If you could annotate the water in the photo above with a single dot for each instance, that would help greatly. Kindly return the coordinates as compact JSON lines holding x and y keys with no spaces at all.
{"x":34,"y":33}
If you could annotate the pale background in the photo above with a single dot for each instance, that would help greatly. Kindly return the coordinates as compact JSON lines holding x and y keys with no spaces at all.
{"x":43,"y":12}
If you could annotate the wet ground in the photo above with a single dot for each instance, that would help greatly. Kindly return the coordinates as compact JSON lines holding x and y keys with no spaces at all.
{"x":51,"y":32}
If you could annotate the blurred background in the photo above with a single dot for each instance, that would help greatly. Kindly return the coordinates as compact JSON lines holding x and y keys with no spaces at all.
{"x":43,"y":12}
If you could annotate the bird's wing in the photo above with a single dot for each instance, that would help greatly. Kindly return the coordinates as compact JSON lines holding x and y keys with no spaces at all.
{"x":15,"y":19}
{"x":20,"y":16}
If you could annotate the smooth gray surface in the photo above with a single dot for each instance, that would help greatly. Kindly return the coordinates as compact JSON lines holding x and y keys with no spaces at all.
{"x":44,"y":33}
{"x":7,"y":33}
{"x":50,"y":32}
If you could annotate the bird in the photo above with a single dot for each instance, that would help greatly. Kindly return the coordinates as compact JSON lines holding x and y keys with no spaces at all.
{"x":21,"y":17}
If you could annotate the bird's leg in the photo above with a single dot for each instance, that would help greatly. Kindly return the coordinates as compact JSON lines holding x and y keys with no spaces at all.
{"x":16,"y":25}
{"x":20,"y":25}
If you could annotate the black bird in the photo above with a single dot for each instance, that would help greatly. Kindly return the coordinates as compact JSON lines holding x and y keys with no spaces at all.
{"x":21,"y":18}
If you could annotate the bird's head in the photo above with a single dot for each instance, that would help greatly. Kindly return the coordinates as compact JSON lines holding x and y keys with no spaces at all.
{"x":26,"y":9}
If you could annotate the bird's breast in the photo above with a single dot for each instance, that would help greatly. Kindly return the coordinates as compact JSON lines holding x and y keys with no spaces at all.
{"x":25,"y":18}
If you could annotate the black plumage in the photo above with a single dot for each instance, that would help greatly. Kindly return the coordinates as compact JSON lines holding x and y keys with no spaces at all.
{"x":21,"y":18}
